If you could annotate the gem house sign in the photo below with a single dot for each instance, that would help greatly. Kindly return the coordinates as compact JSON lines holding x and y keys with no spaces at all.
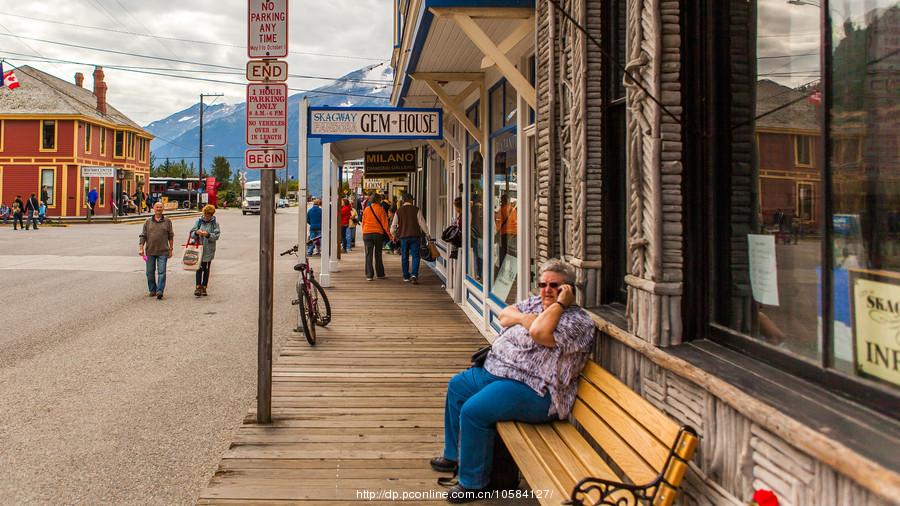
{"x":376,"y":123}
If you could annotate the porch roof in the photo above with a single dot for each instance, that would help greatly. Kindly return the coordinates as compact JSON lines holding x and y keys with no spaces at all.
{"x":439,"y":46}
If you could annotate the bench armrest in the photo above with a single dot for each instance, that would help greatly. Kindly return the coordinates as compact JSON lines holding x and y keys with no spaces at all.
{"x":659,"y":492}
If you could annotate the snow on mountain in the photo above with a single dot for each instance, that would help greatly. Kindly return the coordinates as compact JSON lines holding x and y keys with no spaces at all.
{"x":178,"y":135}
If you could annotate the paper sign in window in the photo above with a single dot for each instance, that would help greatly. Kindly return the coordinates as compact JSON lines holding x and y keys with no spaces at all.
{"x":763,"y":268}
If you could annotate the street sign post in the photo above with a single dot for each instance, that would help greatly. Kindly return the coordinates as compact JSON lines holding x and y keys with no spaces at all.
{"x":267,"y":114}
{"x":265,"y":158}
{"x":267,"y":38}
{"x":267,"y":28}
{"x":267,"y":70}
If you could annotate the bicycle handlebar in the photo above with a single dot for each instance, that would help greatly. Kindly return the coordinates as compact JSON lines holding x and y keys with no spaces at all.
{"x":288,"y":252}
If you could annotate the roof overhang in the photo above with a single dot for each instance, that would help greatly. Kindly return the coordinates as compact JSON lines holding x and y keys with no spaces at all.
{"x":439,"y":45}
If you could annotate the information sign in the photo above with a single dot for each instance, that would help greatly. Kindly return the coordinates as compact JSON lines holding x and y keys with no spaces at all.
{"x":267,"y":114}
{"x":267,"y":28}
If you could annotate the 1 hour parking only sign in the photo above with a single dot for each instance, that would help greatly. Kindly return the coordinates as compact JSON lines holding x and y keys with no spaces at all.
{"x":267,"y":114}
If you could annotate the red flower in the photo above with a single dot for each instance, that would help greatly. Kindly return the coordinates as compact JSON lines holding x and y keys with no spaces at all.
{"x":765,"y":498}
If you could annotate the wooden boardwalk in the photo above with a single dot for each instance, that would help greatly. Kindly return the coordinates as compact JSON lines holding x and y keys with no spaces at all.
{"x":358,"y":416}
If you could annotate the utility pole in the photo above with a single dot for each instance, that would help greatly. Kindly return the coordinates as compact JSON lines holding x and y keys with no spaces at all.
{"x":200,"y":174}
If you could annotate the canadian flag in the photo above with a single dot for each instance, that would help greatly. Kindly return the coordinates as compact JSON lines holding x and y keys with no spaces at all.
{"x":10,"y":81}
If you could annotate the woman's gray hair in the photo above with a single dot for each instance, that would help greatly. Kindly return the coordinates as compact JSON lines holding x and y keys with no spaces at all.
{"x":560,"y":267}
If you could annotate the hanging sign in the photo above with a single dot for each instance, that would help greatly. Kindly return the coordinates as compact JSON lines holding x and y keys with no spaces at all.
{"x":267,"y":114}
{"x":379,"y":163}
{"x":376,"y":122}
{"x":875,"y":296}
{"x":267,"y":28}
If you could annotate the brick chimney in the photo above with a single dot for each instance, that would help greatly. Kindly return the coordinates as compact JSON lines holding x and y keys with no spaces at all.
{"x":100,"y":90}
{"x":79,"y":79}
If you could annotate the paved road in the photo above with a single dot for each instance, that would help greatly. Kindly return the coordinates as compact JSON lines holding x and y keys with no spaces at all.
{"x":109,"y":396}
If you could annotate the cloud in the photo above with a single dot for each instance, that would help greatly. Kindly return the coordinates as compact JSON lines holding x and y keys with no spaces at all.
{"x":361,"y":28}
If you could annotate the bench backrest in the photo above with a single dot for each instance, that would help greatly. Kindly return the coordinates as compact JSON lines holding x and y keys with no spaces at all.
{"x":639,"y":438}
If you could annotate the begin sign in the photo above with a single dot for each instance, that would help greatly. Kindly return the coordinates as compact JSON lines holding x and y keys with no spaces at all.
{"x":274,"y":158}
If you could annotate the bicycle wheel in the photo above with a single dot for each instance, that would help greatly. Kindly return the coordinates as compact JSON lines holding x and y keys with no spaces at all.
{"x":308,"y":323}
{"x":324,"y":307}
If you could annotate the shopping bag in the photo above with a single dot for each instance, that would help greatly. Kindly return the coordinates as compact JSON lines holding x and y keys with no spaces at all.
{"x":435,"y":252}
{"x":190,"y":259}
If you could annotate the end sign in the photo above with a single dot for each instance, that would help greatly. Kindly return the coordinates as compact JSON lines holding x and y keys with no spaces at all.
{"x":267,"y":28}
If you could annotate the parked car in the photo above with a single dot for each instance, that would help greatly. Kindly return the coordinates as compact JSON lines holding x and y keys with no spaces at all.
{"x":282,"y":202}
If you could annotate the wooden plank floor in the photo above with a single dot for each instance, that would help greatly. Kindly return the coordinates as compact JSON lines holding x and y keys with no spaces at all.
{"x":358,"y":416}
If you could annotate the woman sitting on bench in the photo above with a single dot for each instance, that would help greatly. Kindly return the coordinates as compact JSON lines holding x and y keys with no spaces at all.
{"x":530,"y":375}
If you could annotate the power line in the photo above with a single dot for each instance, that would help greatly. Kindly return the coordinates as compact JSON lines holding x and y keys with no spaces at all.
{"x":218,"y":81}
{"x":188,"y":62}
{"x":190,"y":41}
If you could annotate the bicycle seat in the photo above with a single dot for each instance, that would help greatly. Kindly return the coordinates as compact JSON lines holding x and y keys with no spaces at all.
{"x":300,"y":267}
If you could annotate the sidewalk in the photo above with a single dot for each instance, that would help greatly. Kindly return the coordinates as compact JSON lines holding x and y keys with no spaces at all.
{"x":358,"y":416}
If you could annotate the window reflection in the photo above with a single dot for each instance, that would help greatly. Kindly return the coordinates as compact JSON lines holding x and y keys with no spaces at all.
{"x":505,"y":200}
{"x":476,"y":214}
{"x":776,"y":176}
{"x":865,"y":168}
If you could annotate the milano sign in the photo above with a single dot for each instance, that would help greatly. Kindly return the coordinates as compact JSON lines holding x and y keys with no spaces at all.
{"x":375,"y":123}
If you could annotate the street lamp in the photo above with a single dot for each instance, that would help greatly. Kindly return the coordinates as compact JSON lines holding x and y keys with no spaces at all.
{"x":200,"y":173}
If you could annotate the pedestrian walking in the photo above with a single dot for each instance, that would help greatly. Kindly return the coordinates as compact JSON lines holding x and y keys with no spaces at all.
{"x":354,"y":222}
{"x":346,"y":215}
{"x":5,"y":213}
{"x":32,"y":207}
{"x":375,"y":232}
{"x":409,"y":225}
{"x":156,"y":243}
{"x":314,"y":221}
{"x":93,"y":196}
{"x":139,"y":199}
{"x":207,"y":231}
{"x":18,"y":210}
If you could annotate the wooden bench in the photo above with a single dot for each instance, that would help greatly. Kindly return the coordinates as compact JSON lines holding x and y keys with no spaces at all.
{"x":648,"y":450}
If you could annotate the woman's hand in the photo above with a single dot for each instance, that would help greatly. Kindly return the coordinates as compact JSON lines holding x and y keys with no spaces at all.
{"x":566,"y":296}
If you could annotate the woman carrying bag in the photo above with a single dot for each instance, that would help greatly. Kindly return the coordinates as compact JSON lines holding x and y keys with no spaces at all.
{"x":206,"y":231}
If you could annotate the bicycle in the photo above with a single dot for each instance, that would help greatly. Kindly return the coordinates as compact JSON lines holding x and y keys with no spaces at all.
{"x":314,"y":306}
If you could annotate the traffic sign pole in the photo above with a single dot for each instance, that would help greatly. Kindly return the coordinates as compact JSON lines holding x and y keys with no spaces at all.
{"x":267,"y":38}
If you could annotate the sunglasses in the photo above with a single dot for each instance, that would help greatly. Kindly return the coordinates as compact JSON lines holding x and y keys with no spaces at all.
{"x":554,"y":286}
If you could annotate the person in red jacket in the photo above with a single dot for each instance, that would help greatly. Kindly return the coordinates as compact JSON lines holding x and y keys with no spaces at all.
{"x":346,"y":214}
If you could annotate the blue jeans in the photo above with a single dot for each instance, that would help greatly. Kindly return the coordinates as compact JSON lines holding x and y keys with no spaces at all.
{"x":410,"y":245}
{"x":476,"y":401}
{"x":156,"y":273}
{"x":345,"y":237}
{"x":312,"y":235}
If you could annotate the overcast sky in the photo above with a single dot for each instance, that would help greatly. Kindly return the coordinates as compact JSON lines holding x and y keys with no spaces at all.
{"x":361,"y":29}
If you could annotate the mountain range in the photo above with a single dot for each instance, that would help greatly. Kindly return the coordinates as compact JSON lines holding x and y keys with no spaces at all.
{"x":178,"y":135}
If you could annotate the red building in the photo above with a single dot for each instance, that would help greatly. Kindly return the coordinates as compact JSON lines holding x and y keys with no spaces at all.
{"x":52,"y":132}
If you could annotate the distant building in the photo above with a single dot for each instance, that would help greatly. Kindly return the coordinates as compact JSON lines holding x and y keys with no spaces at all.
{"x":51,"y":130}
{"x":789,"y":141}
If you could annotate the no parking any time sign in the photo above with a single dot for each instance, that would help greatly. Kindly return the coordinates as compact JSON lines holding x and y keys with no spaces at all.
{"x":267,"y":28}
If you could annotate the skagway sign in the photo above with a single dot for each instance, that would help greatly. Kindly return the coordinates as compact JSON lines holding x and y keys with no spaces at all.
{"x":380,"y":163}
{"x":375,"y":122}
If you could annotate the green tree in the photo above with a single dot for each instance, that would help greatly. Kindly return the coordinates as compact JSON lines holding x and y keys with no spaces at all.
{"x":221,"y":169}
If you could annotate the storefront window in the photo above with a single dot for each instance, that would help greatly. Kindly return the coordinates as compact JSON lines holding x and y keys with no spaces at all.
{"x":505,"y":201}
{"x":476,"y":214}
{"x":475,"y":205}
{"x":864,"y":129}
{"x":774,"y":234}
